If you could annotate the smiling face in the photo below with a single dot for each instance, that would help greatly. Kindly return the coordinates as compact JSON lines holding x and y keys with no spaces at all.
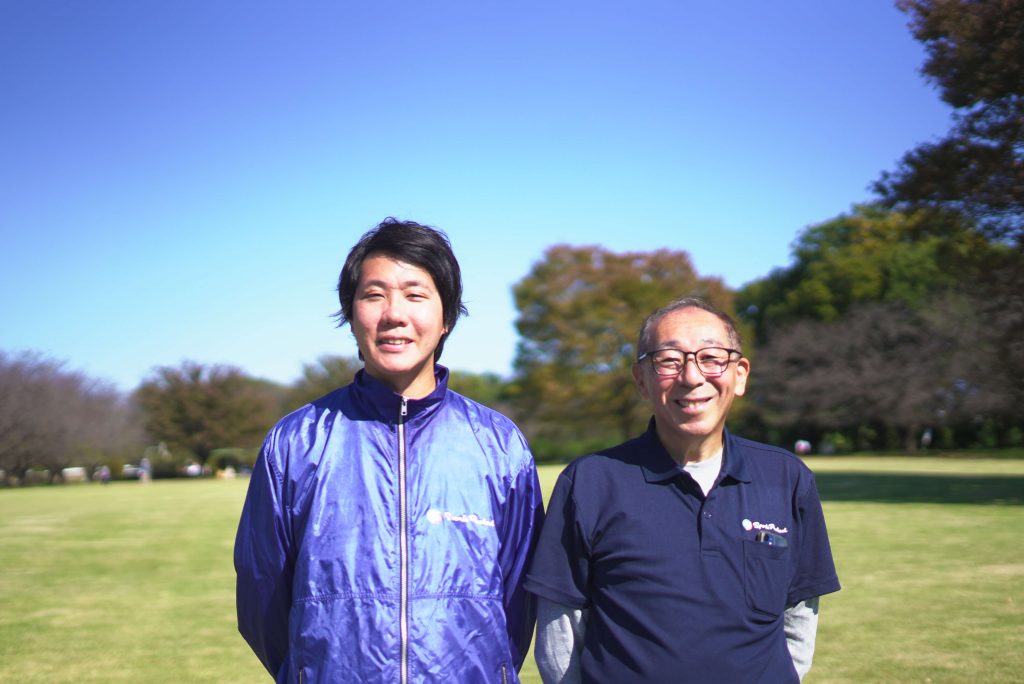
{"x":689,"y":409}
{"x":398,"y":321}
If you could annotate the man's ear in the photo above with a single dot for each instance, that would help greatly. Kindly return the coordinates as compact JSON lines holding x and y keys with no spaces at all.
{"x":742,"y":373}
{"x":640,"y":380}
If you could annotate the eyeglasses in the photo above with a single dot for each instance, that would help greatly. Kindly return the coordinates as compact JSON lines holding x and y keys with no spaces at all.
{"x":710,"y":361}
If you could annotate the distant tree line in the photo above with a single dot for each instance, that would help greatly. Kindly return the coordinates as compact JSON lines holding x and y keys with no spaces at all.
{"x":890,"y":330}
{"x":52,"y":417}
{"x":899,"y":320}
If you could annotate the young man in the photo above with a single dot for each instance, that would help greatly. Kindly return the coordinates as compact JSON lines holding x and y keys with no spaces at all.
{"x":686,"y":554}
{"x":389,"y":525}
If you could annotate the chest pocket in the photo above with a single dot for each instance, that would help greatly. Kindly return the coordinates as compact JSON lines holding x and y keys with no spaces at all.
{"x":765,"y":577}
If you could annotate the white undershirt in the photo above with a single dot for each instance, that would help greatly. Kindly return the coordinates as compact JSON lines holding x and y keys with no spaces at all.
{"x":705,"y":472}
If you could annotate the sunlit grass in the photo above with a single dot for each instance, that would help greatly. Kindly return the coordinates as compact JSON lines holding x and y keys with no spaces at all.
{"x":931,"y":593}
{"x":125,"y":582}
{"x":133,"y":582}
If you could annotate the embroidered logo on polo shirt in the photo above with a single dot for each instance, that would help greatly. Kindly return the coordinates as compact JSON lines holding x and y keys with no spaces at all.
{"x":750,"y":525}
{"x":436,"y":517}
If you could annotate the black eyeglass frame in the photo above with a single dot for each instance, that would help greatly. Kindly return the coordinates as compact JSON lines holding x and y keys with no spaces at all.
{"x":686,"y":357}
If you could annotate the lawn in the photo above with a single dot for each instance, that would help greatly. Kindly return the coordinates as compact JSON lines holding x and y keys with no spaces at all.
{"x":134,"y":582}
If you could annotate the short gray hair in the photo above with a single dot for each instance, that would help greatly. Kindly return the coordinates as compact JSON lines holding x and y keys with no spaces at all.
{"x":687,"y":303}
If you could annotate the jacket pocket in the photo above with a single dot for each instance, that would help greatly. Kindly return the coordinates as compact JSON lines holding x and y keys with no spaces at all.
{"x":765,"y":577}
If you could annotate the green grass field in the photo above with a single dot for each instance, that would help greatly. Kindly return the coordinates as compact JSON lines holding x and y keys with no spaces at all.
{"x":133,"y":582}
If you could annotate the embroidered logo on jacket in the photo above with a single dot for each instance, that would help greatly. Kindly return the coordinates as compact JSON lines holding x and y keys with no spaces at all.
{"x":436,"y":517}
{"x":749,"y":525}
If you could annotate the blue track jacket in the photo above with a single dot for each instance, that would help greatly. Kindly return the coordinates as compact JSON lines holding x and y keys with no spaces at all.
{"x":387,"y":540}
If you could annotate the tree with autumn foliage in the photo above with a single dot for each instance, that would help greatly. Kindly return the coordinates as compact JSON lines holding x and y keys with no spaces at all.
{"x":580,"y":309}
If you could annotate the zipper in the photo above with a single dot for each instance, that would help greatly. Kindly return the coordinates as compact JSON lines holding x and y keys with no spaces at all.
{"x":504,"y":674}
{"x":403,"y":550}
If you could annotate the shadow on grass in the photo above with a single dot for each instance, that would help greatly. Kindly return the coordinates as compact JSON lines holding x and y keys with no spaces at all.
{"x":907,"y":488}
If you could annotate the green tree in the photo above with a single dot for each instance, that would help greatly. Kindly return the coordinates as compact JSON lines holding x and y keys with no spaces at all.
{"x":976,"y":58}
{"x":580,"y":309}
{"x":327,"y":374}
{"x":893,"y":264}
{"x":330,"y":372}
{"x":202,"y":408}
{"x":488,"y":389}
{"x":869,"y":255}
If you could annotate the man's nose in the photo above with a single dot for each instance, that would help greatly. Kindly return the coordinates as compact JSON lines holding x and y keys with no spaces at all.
{"x":395,"y":311}
{"x":691,"y":374}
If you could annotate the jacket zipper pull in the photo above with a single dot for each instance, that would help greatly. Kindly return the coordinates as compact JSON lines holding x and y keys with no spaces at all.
{"x":405,"y":407}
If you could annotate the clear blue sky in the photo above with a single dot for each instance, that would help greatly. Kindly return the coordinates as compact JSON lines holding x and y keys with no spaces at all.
{"x":182,"y":180}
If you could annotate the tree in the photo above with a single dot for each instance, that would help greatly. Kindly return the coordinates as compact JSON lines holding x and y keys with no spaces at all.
{"x":580,"y":309}
{"x":51,"y":417}
{"x":869,"y":255}
{"x":330,"y":372}
{"x":327,"y":374}
{"x":998,"y":295}
{"x":488,"y":389}
{"x":894,"y":265}
{"x":202,"y":408}
{"x":883,"y":366}
{"x":976,"y":57}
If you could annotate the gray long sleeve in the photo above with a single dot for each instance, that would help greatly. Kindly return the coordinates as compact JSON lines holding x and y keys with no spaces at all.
{"x":560,"y":631}
{"x":801,"y":625}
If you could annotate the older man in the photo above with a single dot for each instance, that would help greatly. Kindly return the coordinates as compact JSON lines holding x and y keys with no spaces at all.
{"x":687,"y":554}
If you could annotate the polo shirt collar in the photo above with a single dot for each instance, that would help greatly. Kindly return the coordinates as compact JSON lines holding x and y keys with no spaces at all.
{"x":734,"y":463}
{"x":658,"y":466}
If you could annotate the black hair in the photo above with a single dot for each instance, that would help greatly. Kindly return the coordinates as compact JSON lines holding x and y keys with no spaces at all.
{"x":422,"y":246}
{"x":688,"y":303}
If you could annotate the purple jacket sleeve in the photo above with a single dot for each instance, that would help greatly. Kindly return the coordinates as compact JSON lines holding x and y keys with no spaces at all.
{"x":263,"y":566}
{"x":524,"y":515}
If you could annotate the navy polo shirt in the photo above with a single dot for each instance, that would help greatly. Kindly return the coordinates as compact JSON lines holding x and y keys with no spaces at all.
{"x":677,"y":586}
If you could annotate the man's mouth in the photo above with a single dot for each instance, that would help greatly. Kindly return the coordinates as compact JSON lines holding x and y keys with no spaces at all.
{"x":691,"y":403}
{"x":392,"y":342}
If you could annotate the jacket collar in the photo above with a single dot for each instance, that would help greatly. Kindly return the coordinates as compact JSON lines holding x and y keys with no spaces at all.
{"x":386,"y":404}
{"x":658,"y":466}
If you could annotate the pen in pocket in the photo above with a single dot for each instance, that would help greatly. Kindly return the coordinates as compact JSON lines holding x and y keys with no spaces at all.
{"x":770,"y":539}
